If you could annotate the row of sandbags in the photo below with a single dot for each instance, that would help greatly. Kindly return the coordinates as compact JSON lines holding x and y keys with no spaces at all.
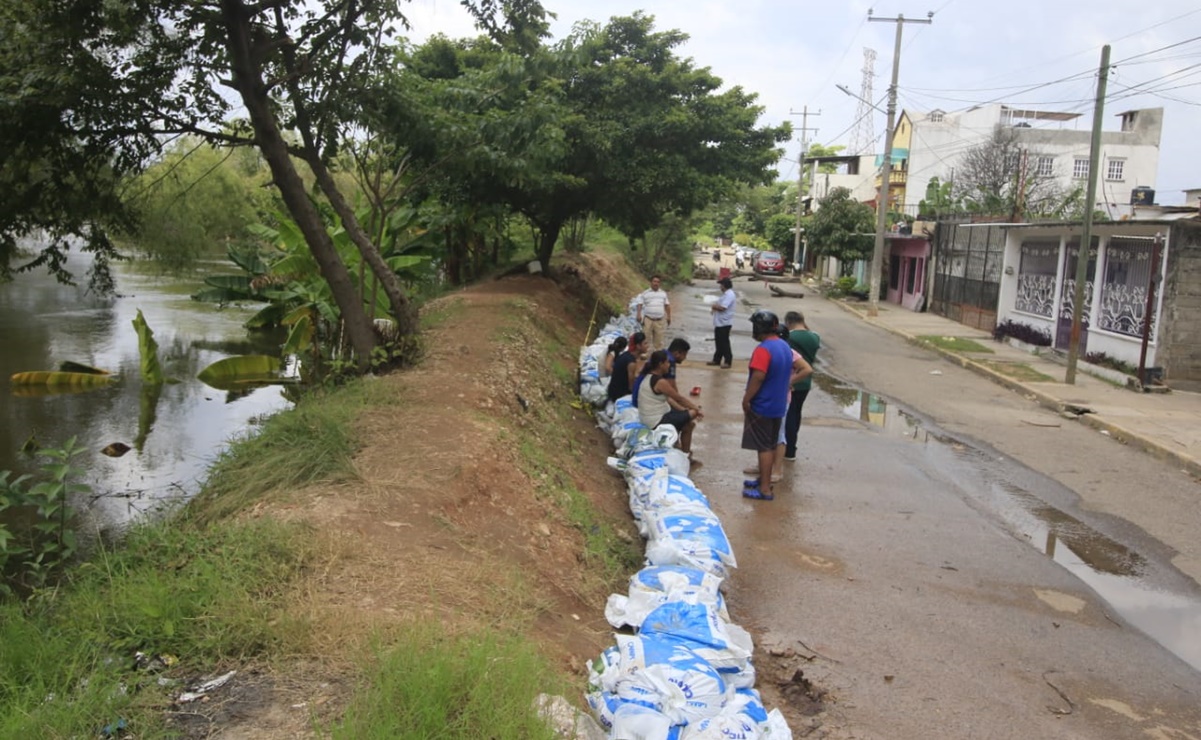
{"x":680,"y":669}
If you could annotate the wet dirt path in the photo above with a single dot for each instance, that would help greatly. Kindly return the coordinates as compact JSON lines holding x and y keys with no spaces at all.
{"x":889,"y":574}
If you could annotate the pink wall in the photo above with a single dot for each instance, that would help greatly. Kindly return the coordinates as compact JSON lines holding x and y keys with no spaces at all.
{"x":909,"y":258}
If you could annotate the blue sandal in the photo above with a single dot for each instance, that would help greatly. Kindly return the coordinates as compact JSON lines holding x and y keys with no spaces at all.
{"x":753,"y":492}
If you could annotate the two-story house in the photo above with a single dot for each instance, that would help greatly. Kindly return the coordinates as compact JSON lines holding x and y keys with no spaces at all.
{"x":1053,"y":144}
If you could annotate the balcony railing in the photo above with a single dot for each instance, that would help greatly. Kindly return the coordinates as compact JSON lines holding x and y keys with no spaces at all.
{"x":896,"y":177}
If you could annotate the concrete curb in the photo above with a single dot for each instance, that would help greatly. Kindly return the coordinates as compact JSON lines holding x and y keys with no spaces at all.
{"x":1046,"y":400}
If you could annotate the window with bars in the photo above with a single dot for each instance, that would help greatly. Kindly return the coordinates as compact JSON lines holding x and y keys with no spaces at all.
{"x":1036,"y":276}
{"x":1127,"y":278}
{"x":1046,"y":166}
{"x":1113,"y":169}
{"x":1080,"y":168}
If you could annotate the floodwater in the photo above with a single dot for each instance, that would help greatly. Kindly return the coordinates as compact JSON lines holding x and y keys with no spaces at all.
{"x":175,"y":431}
{"x":1151,"y":595}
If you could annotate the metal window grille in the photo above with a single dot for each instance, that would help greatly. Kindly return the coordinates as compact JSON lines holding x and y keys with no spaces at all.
{"x":1080,"y":169}
{"x":1046,"y":166}
{"x":1113,"y":169}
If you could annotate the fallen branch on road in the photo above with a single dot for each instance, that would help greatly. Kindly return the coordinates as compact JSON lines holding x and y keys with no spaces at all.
{"x":781,"y":293}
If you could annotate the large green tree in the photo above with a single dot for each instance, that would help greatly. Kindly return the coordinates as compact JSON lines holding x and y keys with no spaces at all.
{"x":610,"y":123}
{"x":89,"y":89}
{"x":842,"y":228}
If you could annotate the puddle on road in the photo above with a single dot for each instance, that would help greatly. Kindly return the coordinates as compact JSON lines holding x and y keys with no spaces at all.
{"x":1118,"y":574}
{"x":873,"y":409}
{"x":1123,"y":578}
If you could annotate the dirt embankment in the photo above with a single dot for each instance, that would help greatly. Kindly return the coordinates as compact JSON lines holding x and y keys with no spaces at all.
{"x":467,"y":507}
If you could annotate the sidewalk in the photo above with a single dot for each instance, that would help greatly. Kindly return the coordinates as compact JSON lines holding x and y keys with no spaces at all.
{"x":1167,"y":425}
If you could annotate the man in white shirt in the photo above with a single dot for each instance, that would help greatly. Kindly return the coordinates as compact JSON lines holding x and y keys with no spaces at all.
{"x":654,"y":313}
{"x":723,"y":322}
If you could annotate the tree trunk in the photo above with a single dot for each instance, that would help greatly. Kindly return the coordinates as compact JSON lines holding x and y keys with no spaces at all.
{"x":402,"y":307}
{"x":248,"y":80}
{"x":548,"y":235}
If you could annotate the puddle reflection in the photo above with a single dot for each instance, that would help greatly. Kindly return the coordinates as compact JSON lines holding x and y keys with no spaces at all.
{"x":1119,"y":575}
{"x":1124,"y":579}
{"x":873,"y":409}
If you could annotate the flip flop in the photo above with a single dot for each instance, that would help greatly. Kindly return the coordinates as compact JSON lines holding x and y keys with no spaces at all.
{"x":756,"y":494}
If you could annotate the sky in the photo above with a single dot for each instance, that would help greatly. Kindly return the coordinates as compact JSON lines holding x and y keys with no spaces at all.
{"x":1041,"y":54}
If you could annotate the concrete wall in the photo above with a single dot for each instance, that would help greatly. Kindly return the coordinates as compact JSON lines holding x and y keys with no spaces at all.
{"x":1176,"y":342}
{"x":1181,"y":317}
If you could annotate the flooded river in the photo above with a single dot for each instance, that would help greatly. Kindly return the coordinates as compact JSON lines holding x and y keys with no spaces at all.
{"x":174,"y":432}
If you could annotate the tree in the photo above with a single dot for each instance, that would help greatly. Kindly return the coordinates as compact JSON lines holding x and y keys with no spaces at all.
{"x":1000,"y":177}
{"x":194,"y":202}
{"x":611,"y":124}
{"x":90,"y":90}
{"x":842,"y":227}
{"x":780,"y":232}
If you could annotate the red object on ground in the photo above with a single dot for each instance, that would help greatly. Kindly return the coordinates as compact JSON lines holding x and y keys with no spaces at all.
{"x":696,"y":391}
{"x":723,"y":273}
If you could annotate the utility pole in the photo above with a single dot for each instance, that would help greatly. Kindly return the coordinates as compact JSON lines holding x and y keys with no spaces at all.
{"x":1086,"y":233}
{"x":800,"y":179}
{"x":886,"y":168}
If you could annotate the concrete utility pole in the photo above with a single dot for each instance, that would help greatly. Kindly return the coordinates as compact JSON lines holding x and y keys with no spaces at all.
{"x":886,"y":168}
{"x":800,"y":179}
{"x":1086,"y":233}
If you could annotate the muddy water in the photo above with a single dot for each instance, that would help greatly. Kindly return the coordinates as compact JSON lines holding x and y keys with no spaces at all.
{"x":174,"y":432}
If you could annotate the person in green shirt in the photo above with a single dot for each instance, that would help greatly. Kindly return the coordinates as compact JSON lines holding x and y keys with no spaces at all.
{"x":806,"y":343}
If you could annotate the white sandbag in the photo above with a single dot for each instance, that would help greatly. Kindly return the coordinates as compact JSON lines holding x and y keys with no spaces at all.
{"x":742,"y":717}
{"x":655,"y":586}
{"x":665,"y":436}
{"x":633,"y":721}
{"x":646,"y":462}
{"x":688,"y":534}
{"x":666,"y":676}
{"x":726,"y":647}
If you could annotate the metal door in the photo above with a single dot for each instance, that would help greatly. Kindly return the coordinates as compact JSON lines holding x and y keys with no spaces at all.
{"x":1063,"y":329}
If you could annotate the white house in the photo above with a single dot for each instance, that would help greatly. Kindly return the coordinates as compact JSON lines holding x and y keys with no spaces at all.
{"x":1058,"y":145}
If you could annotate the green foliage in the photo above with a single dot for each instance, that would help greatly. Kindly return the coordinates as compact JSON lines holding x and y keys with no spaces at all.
{"x":956,"y":344}
{"x":780,"y":233}
{"x":639,"y":134}
{"x":431,"y":685}
{"x":939,"y":200}
{"x":311,"y":442}
{"x":44,"y":540}
{"x":842,"y":228}
{"x":196,"y":202}
{"x":152,"y":371}
{"x":205,"y":596}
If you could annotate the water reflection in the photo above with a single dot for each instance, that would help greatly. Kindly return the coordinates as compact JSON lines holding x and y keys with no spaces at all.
{"x":872,"y":409}
{"x":175,"y":430}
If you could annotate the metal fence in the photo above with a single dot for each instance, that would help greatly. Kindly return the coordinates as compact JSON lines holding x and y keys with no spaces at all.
{"x":967,"y":273}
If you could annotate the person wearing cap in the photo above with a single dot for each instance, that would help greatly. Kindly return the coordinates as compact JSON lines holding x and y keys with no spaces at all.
{"x":765,"y":400}
{"x":723,"y":322}
{"x":654,"y":313}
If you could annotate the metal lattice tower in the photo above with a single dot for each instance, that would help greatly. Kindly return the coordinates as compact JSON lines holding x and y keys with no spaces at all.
{"x":864,"y":136}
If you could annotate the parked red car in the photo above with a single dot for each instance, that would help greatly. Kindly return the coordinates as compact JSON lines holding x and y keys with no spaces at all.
{"x":768,"y":263}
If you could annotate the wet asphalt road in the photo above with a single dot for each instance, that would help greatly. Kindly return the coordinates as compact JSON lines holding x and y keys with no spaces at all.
{"x":938,"y":587}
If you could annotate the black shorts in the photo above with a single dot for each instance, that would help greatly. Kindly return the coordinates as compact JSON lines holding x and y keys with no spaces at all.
{"x":760,"y":433}
{"x":677,"y":418}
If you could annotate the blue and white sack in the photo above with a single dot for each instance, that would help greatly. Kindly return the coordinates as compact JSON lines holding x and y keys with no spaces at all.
{"x":688,"y":534}
{"x":652,"y":587}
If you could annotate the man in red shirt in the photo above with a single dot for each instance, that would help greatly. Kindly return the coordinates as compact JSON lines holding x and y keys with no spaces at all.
{"x":765,"y":401}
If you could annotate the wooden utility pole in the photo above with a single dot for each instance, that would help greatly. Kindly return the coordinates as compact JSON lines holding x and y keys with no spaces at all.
{"x":800,"y":179}
{"x":886,"y":168}
{"x":1086,"y":233}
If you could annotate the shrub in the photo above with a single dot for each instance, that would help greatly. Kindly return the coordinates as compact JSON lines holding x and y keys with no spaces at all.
{"x":1022,"y":333}
{"x":1113,"y":363}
